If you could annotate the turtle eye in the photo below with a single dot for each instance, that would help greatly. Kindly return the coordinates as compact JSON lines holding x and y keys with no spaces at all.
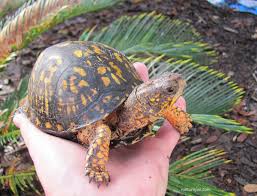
{"x":170,"y":90}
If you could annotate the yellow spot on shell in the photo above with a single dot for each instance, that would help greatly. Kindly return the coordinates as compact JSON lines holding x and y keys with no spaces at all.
{"x":78,"y":53}
{"x":74,"y":108}
{"x":89,"y":63}
{"x":99,"y":59}
{"x":68,"y":110}
{"x":80,"y":71}
{"x":83,"y":83}
{"x":94,"y":91}
{"x":53,"y":69}
{"x":97,"y":108}
{"x":118,"y":70}
{"x":106,"y":81}
{"x":115,"y":78}
{"x":90,"y":98}
{"x":74,"y":89}
{"x":64,"y":84}
{"x":47,"y":80}
{"x":106,"y":99}
{"x":42,"y":76}
{"x":46,"y":105}
{"x":59,"y":61}
{"x":48,"y":125}
{"x":83,"y":99}
{"x":117,"y":56}
{"x":97,"y":50}
{"x":37,"y":121}
{"x":101,"y":70}
{"x":88,"y":52}
{"x":59,"y":127}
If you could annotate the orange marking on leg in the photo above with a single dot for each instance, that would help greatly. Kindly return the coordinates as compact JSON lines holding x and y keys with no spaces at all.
{"x":97,"y":158}
{"x":100,"y":155}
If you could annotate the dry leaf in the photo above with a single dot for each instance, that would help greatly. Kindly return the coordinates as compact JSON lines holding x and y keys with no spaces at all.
{"x":250,"y":188}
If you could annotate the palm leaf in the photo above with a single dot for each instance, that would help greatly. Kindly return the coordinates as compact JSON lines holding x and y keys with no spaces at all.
{"x":188,"y":175}
{"x":35,"y":17}
{"x":22,"y":180}
{"x":12,"y":101}
{"x":8,"y":131}
{"x":154,"y":34}
{"x":10,"y":136}
{"x":221,"y":123}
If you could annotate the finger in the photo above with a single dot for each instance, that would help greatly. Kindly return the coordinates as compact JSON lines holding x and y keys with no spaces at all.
{"x":142,"y":70}
{"x":167,"y":133}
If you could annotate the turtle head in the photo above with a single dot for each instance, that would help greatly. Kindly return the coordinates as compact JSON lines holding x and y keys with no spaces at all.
{"x":161,"y":93}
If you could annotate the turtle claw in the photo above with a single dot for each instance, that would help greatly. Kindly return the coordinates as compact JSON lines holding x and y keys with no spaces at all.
{"x":98,"y":176}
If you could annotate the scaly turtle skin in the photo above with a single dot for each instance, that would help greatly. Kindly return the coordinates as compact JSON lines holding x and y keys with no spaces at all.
{"x":91,"y":94}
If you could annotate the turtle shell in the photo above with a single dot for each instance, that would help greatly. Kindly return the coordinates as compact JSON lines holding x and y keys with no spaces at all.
{"x":74,"y":84}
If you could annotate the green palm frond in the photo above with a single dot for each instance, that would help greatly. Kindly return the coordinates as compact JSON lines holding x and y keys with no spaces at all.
{"x":221,"y":123}
{"x":9,"y":136}
{"x":188,"y":175}
{"x":12,"y":101}
{"x":154,"y":33}
{"x":36,"y":17}
{"x":8,"y":132}
{"x":21,"y":180}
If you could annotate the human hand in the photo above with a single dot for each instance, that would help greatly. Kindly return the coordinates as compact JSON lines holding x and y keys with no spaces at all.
{"x":138,"y":169}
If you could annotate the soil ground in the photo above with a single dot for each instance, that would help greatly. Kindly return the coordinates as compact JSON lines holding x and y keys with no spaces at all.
{"x":233,"y":35}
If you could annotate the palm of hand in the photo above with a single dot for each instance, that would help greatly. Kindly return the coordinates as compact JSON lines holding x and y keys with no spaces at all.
{"x":137,"y":169}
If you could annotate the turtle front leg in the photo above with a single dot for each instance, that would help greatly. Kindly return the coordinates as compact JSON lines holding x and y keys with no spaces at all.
{"x":179,"y":119}
{"x":97,"y":155}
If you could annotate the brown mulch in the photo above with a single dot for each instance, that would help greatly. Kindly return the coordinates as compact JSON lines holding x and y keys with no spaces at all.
{"x":234,"y":36}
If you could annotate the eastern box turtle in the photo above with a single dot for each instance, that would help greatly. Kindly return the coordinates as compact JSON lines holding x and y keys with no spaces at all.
{"x":91,"y":94}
